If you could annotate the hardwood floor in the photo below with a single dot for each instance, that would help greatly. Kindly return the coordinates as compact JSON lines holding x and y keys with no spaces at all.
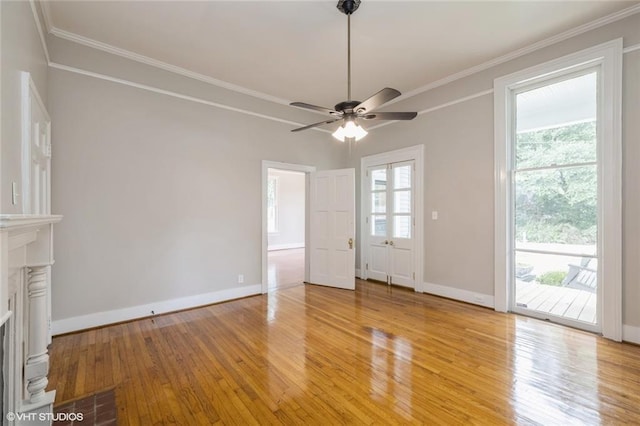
{"x":285,"y":268}
{"x":310,"y":354}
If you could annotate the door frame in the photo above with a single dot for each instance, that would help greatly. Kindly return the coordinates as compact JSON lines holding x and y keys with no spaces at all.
{"x":266,"y":165}
{"x":608,"y":56}
{"x":415,"y":153}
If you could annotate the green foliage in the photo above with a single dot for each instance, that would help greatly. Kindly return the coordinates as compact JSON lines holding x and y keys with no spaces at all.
{"x":554,"y":278}
{"x":557,"y":205}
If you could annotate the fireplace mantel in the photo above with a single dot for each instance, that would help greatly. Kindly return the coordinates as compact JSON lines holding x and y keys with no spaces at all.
{"x":26,"y":256}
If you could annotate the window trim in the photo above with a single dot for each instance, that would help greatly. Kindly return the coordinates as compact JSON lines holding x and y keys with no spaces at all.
{"x":608,"y":57}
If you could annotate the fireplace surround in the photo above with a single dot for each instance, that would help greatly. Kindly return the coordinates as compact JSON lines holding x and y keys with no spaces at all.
{"x":26,"y":257}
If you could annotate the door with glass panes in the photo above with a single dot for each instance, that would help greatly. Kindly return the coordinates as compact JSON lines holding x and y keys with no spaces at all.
{"x":391,"y":223}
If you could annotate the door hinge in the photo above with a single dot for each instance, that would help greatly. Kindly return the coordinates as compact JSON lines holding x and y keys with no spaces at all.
{"x":367,"y":219}
{"x":366,"y":266}
{"x":367,"y":173}
{"x":414,"y":275}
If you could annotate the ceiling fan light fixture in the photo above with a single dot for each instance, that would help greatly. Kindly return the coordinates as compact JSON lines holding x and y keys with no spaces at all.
{"x":349,"y":130}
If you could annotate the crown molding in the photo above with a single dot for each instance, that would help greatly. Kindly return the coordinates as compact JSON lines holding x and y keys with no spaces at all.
{"x":86,"y":41}
{"x":36,"y":18}
{"x":46,"y":14}
{"x":176,"y":94}
{"x":51,"y":29}
{"x":605,"y":20}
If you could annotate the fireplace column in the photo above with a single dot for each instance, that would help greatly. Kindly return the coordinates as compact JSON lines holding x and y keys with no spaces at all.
{"x":37,"y":365}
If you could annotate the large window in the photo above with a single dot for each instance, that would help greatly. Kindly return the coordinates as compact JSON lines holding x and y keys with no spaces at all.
{"x":555,"y":195}
{"x":558,"y":190}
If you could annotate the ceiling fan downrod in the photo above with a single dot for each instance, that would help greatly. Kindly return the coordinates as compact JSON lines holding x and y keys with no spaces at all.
{"x":350,"y":111}
{"x":348,"y":7}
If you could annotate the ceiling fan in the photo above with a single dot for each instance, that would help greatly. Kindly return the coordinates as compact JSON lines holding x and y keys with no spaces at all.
{"x":350,"y":111}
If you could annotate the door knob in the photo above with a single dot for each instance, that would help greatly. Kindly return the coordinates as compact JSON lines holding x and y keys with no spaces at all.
{"x":350,"y":243}
{"x":390,"y":243}
{"x":385,"y":242}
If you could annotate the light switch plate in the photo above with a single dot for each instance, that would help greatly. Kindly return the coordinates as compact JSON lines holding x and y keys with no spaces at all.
{"x":434,"y":215}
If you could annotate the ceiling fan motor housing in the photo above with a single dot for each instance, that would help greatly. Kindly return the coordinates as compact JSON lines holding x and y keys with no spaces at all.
{"x":347,"y":106}
{"x":348,"y":6}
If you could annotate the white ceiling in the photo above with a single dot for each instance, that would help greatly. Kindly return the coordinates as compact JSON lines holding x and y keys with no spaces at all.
{"x":296,"y":50}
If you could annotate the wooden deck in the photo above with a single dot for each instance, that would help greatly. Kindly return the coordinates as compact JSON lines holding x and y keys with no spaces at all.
{"x":561,"y":301}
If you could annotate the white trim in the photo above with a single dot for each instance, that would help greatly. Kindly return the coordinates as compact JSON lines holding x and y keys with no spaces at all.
{"x":98,"y":319}
{"x":266,"y":165}
{"x":30,"y":96}
{"x":17,"y":221}
{"x":288,"y":246}
{"x":437,"y":107}
{"x":50,"y":28}
{"x":415,"y":153}
{"x":358,"y":275}
{"x":46,"y":14}
{"x":581,"y":29}
{"x":608,"y":56}
{"x":631,"y":334}
{"x":85,"y":41}
{"x":467,"y":296}
{"x":36,"y":18}
{"x":175,"y":94}
{"x":631,"y":48}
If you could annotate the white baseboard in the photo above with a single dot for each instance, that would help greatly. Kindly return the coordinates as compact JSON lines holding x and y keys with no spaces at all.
{"x":289,"y":246}
{"x":472,"y":297}
{"x":68,"y":325}
{"x":631,"y":334}
{"x":358,"y":273}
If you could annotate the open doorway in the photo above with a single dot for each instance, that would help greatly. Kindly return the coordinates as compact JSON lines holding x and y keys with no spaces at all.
{"x":285,"y":227}
{"x":285,"y":201}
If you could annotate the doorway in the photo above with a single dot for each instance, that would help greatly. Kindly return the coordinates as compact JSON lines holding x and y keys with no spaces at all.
{"x":391,"y":214}
{"x":285,"y":224}
{"x":555,"y":191}
{"x":285,"y":227}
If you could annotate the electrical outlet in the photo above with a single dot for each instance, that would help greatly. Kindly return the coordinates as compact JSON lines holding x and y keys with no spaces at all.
{"x":240,"y":279}
{"x":434,"y":215}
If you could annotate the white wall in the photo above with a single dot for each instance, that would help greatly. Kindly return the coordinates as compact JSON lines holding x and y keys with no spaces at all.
{"x":459,"y":167}
{"x":291,"y":210}
{"x":21,"y":51}
{"x":161,"y":196}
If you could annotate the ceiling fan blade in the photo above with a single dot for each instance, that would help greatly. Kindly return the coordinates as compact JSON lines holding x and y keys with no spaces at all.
{"x":390,"y":116}
{"x":314,"y":107}
{"x":316,"y":124}
{"x":382,"y":97}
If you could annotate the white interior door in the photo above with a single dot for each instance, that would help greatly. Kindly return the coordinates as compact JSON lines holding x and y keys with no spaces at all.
{"x":391,"y":220}
{"x":332,"y":222}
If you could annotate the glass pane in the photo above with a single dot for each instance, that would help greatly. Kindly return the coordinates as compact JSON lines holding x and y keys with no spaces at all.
{"x":556,"y":124}
{"x":379,"y":202}
{"x":379,"y":226}
{"x":556,"y":210}
{"x":402,"y":201}
{"x":402,"y":177}
{"x":378,"y":179}
{"x":565,"y":286}
{"x":402,"y":226}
